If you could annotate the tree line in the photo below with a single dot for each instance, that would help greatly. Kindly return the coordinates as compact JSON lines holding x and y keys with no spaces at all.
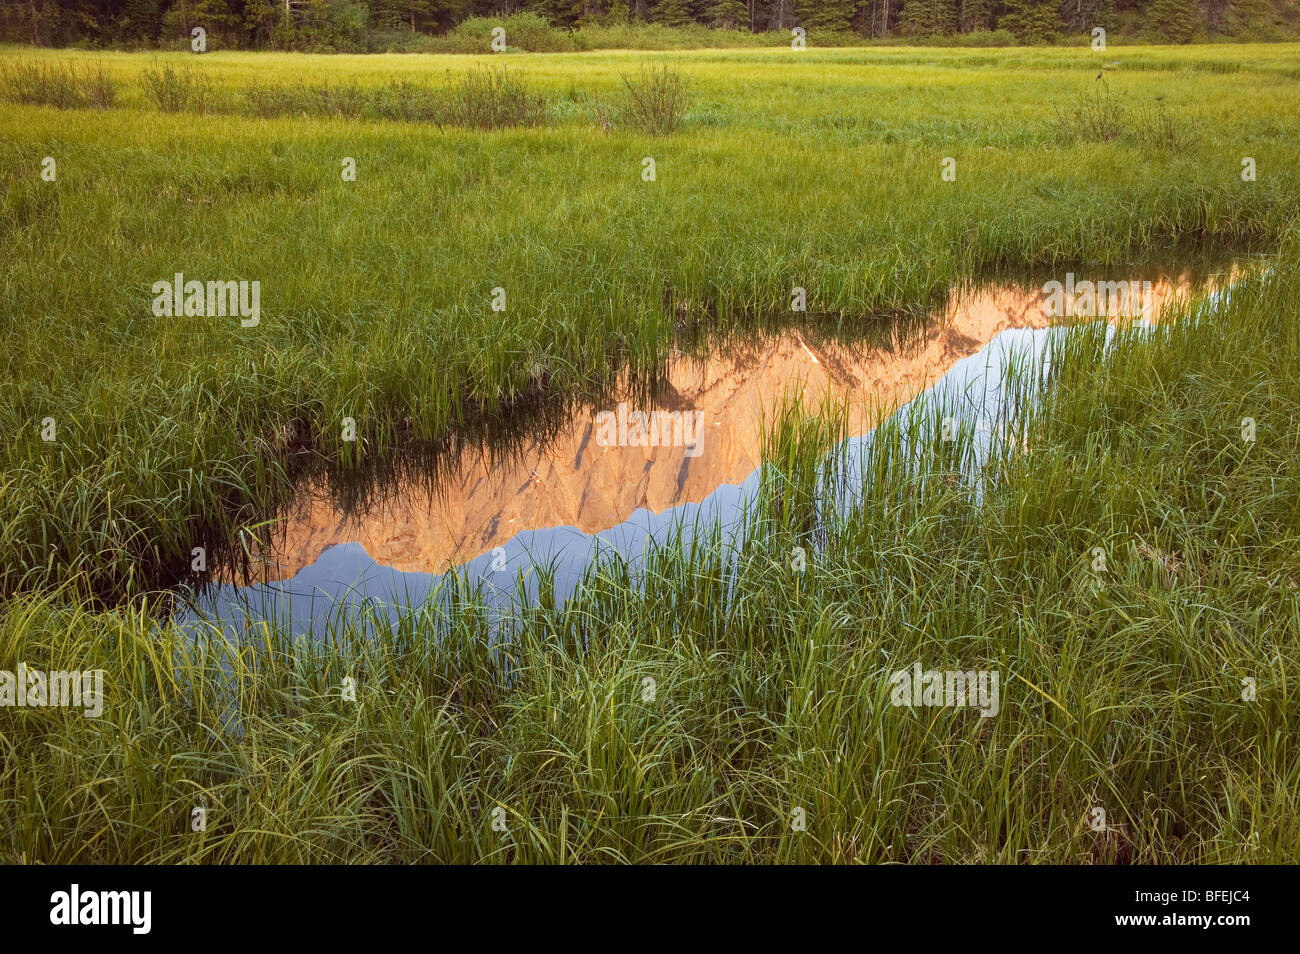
{"x":344,"y":24}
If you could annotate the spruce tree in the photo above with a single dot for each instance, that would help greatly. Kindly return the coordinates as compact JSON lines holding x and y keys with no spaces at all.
{"x":827,"y":14}
{"x":671,"y":12}
{"x":726,"y":14}
{"x":928,"y":18}
{"x":141,"y":20}
{"x":975,"y":15}
{"x":1173,"y":21}
{"x":1031,"y":21}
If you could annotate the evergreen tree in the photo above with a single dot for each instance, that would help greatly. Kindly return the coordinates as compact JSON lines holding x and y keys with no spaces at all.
{"x":1080,"y":16}
{"x":827,"y":14}
{"x":557,"y":12}
{"x":975,"y":15}
{"x":224,"y":27}
{"x":1035,"y":22}
{"x":671,"y":12}
{"x":928,"y":18}
{"x":141,"y":21}
{"x":726,"y":14}
{"x":781,"y":15}
{"x":413,"y":15}
{"x":877,"y":18}
{"x":293,"y":24}
{"x":1173,"y":21}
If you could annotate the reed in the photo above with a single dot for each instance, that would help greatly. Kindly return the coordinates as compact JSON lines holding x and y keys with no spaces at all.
{"x":771,"y":685}
{"x":56,"y":84}
{"x":377,"y":292}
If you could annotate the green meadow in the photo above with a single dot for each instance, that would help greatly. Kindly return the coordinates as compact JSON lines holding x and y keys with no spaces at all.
{"x":819,"y":169}
{"x":772,"y":169}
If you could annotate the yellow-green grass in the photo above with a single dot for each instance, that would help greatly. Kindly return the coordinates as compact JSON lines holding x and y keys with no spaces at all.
{"x":701,"y":716}
{"x":819,"y":169}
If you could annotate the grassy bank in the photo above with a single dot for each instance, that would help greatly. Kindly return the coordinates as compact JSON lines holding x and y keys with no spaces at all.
{"x":1122,"y":689}
{"x":820,"y":170}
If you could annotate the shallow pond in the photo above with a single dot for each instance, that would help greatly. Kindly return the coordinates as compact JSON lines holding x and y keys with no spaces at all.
{"x":616,"y":477}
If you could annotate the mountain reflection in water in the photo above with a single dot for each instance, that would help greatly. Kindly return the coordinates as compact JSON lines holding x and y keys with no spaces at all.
{"x":556,"y":503}
{"x":572,"y":481}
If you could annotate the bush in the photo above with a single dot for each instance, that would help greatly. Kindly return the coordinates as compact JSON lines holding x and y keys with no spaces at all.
{"x":348,"y":21}
{"x":394,"y":41}
{"x":1100,"y":118}
{"x":98,"y":88}
{"x":524,"y":31}
{"x":1103,"y":118}
{"x":174,"y":91}
{"x":492,"y":99}
{"x":340,"y":100}
{"x":404,"y":100}
{"x":657,"y":99}
{"x":656,"y":36}
{"x":1158,"y":128}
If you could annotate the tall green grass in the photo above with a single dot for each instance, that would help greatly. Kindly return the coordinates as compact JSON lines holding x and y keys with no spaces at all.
{"x":175,"y":90}
{"x":821,"y":171}
{"x":58,"y":85}
{"x":657,"y":98}
{"x":687,"y":716}
{"x":480,"y":99}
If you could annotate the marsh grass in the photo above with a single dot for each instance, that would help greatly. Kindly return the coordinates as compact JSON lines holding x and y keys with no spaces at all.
{"x":480,"y":99}
{"x":53,"y":84}
{"x":656,"y":98}
{"x":795,"y":483}
{"x":1103,"y":117}
{"x":338,"y":100}
{"x":1098,"y":117}
{"x":770,"y":684}
{"x":397,"y":100}
{"x":404,"y":100}
{"x":494,"y":99}
{"x":1158,"y":127}
{"x":177,"y":90}
{"x":173,"y":432}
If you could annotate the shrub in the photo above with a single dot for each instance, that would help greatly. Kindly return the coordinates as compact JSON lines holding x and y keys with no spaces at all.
{"x":657,"y":99}
{"x":174,"y":91}
{"x":98,"y":87}
{"x":524,"y":31}
{"x":393,"y":41}
{"x":402,"y":99}
{"x":492,"y":99}
{"x":1100,"y":118}
{"x":1103,"y":118}
{"x":1157,"y":127}
{"x":338,"y":100}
